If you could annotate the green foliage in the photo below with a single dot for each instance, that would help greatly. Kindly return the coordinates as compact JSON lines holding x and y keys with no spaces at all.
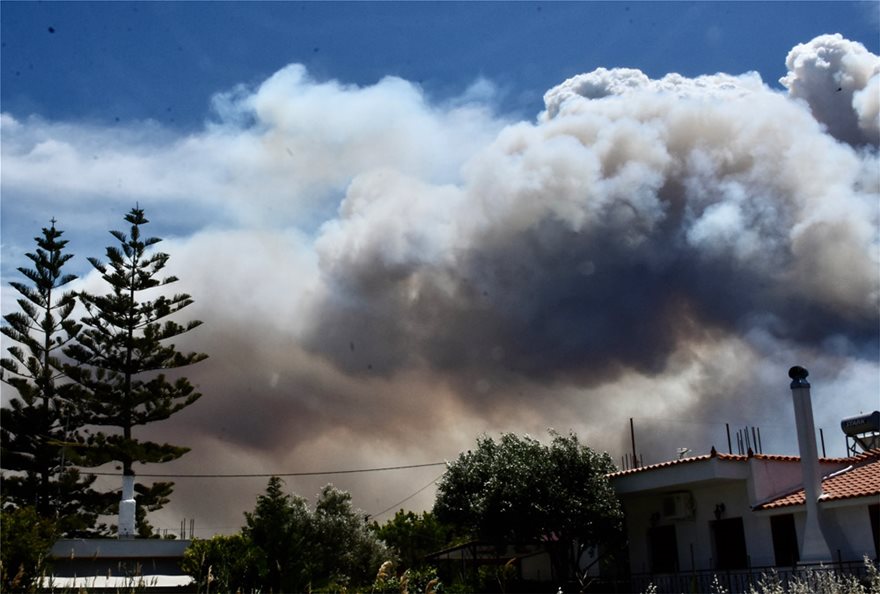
{"x":120,"y":356}
{"x":344,"y":543}
{"x":417,"y":581}
{"x":414,"y":536}
{"x":222,"y":564}
{"x":295,"y":549}
{"x":38,"y":427}
{"x":280,"y":529}
{"x":27,"y":538}
{"x":496,"y":578}
{"x":517,"y":490}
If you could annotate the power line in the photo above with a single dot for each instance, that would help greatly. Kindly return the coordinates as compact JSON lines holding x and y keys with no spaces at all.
{"x":279,"y":474}
{"x":405,"y":499}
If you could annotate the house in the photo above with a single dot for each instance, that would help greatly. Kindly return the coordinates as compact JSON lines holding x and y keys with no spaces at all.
{"x":729,"y":511}
{"x":123,"y":563}
{"x":737,"y":515}
{"x":109,"y":564}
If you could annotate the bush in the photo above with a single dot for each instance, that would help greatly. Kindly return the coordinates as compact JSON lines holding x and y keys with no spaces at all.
{"x":412,"y":581}
{"x":27,"y":539}
{"x":222,"y":564}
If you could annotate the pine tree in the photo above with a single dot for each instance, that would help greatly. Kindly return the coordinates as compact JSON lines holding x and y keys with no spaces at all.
{"x":121,"y":355}
{"x":40,"y":424}
{"x":280,"y":528}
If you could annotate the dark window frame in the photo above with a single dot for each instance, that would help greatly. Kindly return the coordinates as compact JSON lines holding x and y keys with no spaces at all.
{"x":786,"y":552}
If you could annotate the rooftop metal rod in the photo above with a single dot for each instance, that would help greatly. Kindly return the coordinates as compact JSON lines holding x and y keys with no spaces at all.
{"x":729,"y":446}
{"x":632,"y":435}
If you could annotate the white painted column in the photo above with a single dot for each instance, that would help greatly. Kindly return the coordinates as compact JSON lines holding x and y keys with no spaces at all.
{"x":814,"y":547}
{"x":127,"y":508}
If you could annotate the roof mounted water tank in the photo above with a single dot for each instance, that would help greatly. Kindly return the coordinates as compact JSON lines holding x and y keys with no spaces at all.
{"x":860,"y":424}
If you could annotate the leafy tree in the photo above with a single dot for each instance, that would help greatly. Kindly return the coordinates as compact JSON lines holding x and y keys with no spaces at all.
{"x":414,"y":536}
{"x":347,"y":550}
{"x":27,"y":539}
{"x":517,"y":490}
{"x":38,"y":425}
{"x":120,"y":357}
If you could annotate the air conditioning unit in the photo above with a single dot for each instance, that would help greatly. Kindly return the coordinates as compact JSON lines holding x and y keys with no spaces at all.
{"x":677,"y":506}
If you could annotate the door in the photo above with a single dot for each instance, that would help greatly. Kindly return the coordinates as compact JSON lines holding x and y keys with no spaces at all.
{"x":785,"y":544}
{"x":663,"y":548}
{"x":730,"y":544}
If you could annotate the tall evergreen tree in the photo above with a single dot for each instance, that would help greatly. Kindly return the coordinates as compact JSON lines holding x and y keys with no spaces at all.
{"x":39,"y":424}
{"x":280,"y":527}
{"x":296,"y":549}
{"x":121,"y":355}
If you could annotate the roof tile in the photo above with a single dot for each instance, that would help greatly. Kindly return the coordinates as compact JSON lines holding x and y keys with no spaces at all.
{"x":861,"y":479}
{"x":741,"y":458}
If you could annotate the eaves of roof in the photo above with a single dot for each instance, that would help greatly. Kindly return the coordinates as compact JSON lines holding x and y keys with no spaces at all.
{"x":860,"y":479}
{"x":733,"y":458}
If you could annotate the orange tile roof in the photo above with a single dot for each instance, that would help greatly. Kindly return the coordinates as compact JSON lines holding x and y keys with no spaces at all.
{"x":660,"y":465}
{"x":730,"y":457}
{"x":861,"y":479}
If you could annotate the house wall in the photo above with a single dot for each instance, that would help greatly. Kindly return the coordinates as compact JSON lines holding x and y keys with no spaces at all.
{"x":770,"y":478}
{"x":695,"y":546}
{"x":536,"y":568}
{"x":117,"y":557}
{"x":845,"y":530}
{"x":739,"y":486}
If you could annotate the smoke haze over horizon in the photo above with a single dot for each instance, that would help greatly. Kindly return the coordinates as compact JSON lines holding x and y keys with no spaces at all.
{"x":383,"y":277}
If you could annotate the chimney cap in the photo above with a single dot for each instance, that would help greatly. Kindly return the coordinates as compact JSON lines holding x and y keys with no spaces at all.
{"x":798,"y":376}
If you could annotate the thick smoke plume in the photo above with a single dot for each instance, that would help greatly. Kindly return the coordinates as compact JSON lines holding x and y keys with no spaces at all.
{"x":634,"y":217}
{"x":382,"y":279}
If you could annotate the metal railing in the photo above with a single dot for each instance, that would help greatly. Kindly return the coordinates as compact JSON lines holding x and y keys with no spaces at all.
{"x":734,"y":581}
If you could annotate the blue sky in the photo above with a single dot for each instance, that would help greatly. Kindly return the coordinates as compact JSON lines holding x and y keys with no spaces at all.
{"x":407,"y":224}
{"x":164,"y":60}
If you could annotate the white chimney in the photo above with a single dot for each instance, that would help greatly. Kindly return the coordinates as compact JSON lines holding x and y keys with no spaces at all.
{"x":814,"y":547}
{"x":127,"y":508}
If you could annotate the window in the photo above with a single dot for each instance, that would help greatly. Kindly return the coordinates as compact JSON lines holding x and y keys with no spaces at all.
{"x":663,"y":548}
{"x":730,"y":544}
{"x":874,"y":514}
{"x":785,"y":544}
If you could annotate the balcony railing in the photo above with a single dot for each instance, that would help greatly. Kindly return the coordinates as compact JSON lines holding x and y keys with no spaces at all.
{"x":734,"y":581}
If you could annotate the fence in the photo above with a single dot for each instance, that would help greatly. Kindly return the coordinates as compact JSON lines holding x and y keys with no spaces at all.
{"x":733,"y":581}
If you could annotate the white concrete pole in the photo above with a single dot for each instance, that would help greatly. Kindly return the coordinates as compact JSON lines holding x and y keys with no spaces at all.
{"x":814,"y":547}
{"x":127,"y":507}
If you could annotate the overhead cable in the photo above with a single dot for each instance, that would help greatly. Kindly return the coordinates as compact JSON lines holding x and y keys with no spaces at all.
{"x":278,"y":474}
{"x":405,"y":499}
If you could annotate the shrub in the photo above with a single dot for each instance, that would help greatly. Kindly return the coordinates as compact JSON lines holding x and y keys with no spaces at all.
{"x":222,"y":564}
{"x":27,"y":539}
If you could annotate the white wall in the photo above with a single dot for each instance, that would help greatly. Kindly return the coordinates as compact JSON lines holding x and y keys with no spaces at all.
{"x":849,"y":530}
{"x":695,"y":533}
{"x":846,"y":523}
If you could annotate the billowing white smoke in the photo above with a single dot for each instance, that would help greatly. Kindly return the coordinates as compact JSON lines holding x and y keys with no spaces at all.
{"x":599,"y":237}
{"x":650,"y":248}
{"x":840,"y":81}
